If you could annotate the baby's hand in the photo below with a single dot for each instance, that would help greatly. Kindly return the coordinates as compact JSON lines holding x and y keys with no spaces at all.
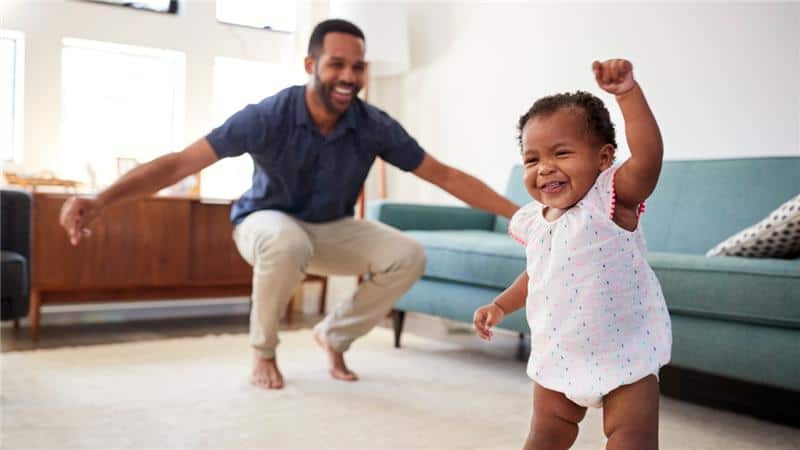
{"x":615,"y":76}
{"x":485,"y":318}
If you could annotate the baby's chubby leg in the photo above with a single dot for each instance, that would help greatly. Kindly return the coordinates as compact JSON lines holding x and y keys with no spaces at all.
{"x":554,"y":424}
{"x":630,"y":416}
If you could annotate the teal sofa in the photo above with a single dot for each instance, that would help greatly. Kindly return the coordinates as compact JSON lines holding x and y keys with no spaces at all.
{"x":734,"y":317}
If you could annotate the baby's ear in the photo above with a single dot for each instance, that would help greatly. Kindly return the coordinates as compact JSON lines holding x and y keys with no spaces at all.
{"x":607,"y":155}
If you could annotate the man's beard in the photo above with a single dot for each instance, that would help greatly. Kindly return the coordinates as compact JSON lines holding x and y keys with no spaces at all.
{"x":325,"y":94}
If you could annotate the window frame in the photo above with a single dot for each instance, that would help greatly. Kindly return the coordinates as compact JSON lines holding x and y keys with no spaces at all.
{"x":18,"y":96}
{"x":277,"y":28}
{"x":172,"y":8}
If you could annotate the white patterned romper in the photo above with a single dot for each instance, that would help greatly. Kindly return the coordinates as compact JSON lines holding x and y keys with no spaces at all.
{"x":595,"y":308}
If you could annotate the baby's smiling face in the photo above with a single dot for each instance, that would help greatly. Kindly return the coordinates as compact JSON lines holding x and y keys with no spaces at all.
{"x":561,"y":163}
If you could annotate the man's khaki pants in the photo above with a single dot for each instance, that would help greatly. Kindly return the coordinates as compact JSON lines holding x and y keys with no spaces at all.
{"x":282,"y":250}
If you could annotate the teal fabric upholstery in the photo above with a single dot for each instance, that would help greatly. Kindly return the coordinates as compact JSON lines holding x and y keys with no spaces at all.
{"x":472,"y":256}
{"x":427,"y":217}
{"x":759,"y":291}
{"x":736,"y":317}
{"x":517,"y":193}
{"x":697,"y":204}
{"x":750,"y":352}
{"x":455,"y":301}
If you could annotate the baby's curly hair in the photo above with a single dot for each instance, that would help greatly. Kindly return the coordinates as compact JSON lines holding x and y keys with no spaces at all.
{"x":598,"y":122}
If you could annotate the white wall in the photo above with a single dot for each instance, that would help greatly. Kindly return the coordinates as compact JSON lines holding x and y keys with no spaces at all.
{"x":194,"y":31}
{"x":721,"y":78}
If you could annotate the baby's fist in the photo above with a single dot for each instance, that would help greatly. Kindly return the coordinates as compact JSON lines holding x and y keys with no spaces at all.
{"x":615,"y":76}
{"x":485,"y":318}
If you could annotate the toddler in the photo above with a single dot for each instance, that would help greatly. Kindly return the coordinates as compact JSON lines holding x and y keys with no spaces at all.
{"x":600,"y":330}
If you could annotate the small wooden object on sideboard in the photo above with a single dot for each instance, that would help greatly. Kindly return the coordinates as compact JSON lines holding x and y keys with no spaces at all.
{"x":45,"y":179}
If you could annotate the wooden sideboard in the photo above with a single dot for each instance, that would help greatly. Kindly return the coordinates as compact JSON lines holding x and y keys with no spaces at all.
{"x":148,"y":249}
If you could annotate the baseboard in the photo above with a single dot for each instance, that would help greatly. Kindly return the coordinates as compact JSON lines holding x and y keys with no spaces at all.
{"x":130,"y":311}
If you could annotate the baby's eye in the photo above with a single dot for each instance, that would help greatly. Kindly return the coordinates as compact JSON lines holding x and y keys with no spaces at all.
{"x":562,"y":153}
{"x":531,"y":161}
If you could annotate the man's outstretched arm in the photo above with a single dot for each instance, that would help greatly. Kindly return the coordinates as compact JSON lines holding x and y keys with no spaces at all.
{"x":78,"y":212}
{"x":465,"y":187}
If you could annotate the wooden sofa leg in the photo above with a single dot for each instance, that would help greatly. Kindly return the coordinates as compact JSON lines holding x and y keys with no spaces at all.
{"x":35,"y":313}
{"x":523,"y":348}
{"x":398,"y":317}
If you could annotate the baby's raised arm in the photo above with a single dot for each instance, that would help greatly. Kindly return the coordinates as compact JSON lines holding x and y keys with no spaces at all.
{"x":636,"y":178}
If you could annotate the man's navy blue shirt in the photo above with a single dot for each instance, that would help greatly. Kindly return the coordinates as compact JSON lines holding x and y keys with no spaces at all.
{"x":299,"y":171}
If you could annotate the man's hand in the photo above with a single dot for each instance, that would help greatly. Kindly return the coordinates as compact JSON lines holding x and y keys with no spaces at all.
{"x":76,"y":215}
{"x":485,"y":318}
{"x":614,"y":76}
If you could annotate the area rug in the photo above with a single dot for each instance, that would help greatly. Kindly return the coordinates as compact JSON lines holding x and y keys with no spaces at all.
{"x":193,"y":393}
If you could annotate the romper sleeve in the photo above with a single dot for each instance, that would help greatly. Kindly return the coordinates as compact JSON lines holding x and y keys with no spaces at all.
{"x":519,"y":226}
{"x":605,"y":193}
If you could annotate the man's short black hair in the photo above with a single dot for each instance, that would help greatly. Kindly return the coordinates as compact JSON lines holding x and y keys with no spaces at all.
{"x":331,"y":26}
{"x":598,"y":121}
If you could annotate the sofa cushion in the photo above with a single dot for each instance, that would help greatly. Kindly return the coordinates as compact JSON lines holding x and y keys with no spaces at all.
{"x":776,"y":236}
{"x":456,"y":301}
{"x":482,"y":258}
{"x":14,"y":274}
{"x":751,"y":290}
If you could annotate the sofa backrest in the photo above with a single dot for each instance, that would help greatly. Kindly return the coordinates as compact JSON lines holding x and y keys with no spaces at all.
{"x":699,"y":203}
{"x":515,"y":192}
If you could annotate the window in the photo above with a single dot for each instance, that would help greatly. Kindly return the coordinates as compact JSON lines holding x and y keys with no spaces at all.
{"x":270,"y":15}
{"x":164,"y":6}
{"x":237,"y":83}
{"x":12,"y":76}
{"x":119,"y":101}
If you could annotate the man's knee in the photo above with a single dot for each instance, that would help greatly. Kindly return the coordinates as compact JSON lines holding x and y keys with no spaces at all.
{"x":413,"y":258}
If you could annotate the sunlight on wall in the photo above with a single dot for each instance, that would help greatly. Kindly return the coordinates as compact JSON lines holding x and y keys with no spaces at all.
{"x":237,"y":83}
{"x":118,"y":101}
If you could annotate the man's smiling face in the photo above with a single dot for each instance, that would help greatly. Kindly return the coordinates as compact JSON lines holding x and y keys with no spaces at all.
{"x":339,"y":71}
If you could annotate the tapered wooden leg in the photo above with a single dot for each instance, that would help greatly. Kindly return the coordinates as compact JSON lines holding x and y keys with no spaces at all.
{"x":398,"y":318}
{"x":523,"y":348}
{"x":35,"y":313}
{"x":16,"y":324}
{"x":297,"y":296}
{"x":323,"y":295}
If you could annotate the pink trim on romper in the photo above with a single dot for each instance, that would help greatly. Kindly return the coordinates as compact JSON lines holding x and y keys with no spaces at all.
{"x":514,"y":236}
{"x":639,"y":211}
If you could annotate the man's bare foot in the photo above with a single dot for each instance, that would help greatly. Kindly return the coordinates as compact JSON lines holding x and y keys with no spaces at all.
{"x":266,"y":374}
{"x":338,"y":369}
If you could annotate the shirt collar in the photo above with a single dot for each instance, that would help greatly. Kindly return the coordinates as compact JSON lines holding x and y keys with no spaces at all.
{"x":302,"y":116}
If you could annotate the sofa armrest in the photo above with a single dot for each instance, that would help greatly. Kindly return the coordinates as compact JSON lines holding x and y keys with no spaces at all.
{"x":16,"y":222}
{"x":412,"y":216}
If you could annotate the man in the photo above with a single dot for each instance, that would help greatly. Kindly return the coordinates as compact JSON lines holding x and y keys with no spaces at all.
{"x":312,"y":147}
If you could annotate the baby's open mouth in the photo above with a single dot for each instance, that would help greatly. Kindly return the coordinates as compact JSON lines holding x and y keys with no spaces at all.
{"x":552,"y":187}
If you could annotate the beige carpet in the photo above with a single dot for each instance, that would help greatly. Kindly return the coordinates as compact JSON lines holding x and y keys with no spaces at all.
{"x":192,"y":393}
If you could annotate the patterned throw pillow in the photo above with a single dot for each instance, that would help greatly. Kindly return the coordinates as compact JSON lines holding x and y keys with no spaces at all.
{"x":777,"y":236}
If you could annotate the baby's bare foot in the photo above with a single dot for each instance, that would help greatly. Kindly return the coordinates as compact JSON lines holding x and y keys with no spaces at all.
{"x":266,"y":374}
{"x":338,"y":369}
